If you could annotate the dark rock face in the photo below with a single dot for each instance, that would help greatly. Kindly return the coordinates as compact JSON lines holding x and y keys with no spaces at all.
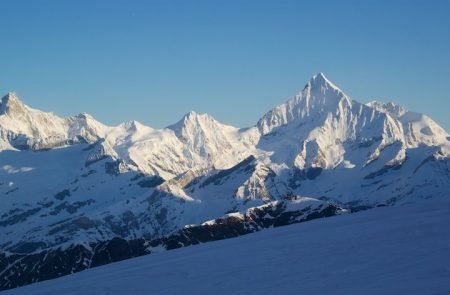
{"x":151,"y":181}
{"x":25,"y":143}
{"x":62,"y":194}
{"x":18,"y":270}
{"x":247,"y":164}
{"x":382,"y":171}
{"x":299,"y":175}
{"x":19,"y":217}
{"x":71,"y":207}
{"x":235,"y":225}
{"x":22,"y":269}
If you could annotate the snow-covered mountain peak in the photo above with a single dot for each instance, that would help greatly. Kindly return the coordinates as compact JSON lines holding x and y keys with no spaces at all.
{"x":86,"y":126}
{"x":22,"y":127}
{"x":319,"y":85}
{"x":192,"y":116}
{"x":322,"y":89}
{"x":10,"y":96}
{"x":91,"y":183}
{"x":317,"y":99}
{"x":320,"y":76}
{"x":193,"y":122}
{"x":417,"y":128}
{"x":391,"y":108}
{"x":320,"y":80}
{"x":11,"y":105}
{"x":205,"y":138}
{"x":133,"y":125}
{"x":84,"y":116}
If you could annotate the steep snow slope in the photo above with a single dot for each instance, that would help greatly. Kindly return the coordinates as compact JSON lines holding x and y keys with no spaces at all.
{"x":311,"y":129}
{"x":360,"y":154}
{"x":22,"y":126}
{"x":418,"y":128}
{"x":220,"y":144}
{"x":397,"y":250}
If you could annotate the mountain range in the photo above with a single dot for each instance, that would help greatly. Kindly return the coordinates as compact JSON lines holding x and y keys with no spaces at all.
{"x":75,"y":190}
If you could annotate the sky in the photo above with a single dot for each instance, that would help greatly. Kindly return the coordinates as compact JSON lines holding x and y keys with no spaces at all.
{"x":154,"y":61}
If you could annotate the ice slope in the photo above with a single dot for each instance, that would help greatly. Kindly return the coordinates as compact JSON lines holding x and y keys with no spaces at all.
{"x":395,"y":250}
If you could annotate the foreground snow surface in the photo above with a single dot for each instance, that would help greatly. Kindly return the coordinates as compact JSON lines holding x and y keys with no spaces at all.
{"x":395,"y":250}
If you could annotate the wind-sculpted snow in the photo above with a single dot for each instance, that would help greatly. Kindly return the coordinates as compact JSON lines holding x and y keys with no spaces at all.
{"x":71,"y":181}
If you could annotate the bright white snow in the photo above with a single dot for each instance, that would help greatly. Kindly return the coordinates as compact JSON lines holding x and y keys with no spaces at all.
{"x":318,"y":144}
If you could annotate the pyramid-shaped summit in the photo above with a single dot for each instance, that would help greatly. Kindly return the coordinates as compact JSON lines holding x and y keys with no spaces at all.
{"x":320,"y":80}
{"x":11,"y":104}
{"x":320,"y":96}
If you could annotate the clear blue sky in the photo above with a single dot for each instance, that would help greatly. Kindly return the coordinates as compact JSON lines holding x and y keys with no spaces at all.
{"x":153,"y":61}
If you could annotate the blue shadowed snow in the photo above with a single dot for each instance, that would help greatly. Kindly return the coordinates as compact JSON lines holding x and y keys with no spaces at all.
{"x":395,"y":250}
